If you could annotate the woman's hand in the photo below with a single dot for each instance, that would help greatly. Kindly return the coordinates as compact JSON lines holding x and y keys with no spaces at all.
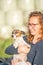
{"x":28,"y":63}
{"x":14,"y":62}
{"x":23,"y":49}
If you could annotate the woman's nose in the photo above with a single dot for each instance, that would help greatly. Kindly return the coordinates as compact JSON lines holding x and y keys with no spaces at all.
{"x":30,"y":27}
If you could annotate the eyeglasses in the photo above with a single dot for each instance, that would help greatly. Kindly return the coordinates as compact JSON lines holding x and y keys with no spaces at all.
{"x":32,"y":24}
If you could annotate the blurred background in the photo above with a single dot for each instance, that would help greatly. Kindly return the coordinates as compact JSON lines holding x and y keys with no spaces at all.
{"x":14,"y":15}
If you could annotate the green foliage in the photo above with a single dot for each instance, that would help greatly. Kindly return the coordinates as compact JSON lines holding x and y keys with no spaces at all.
{"x":4,"y":43}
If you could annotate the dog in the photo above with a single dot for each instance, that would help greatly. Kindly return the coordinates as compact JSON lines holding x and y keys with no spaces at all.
{"x":23,"y":47}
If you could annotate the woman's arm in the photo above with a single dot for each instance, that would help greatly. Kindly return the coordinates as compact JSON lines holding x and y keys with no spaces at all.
{"x":11,"y":50}
{"x":14,"y":63}
{"x":28,"y":63}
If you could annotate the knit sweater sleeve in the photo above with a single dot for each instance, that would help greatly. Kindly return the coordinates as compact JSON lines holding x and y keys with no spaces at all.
{"x":11,"y":50}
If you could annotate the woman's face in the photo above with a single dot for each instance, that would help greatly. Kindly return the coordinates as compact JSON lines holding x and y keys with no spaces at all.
{"x":34,"y":26}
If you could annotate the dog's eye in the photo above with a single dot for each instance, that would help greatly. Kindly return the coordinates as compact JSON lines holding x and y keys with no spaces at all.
{"x":16,"y":32}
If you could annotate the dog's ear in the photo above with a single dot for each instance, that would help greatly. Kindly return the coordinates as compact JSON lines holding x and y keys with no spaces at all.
{"x":13,"y":32}
{"x":22,"y":32}
{"x":12,"y":36}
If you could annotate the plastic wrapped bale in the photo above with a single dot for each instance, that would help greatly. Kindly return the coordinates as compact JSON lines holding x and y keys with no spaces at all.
{"x":26,"y":16}
{"x":26,"y":4}
{"x":6,"y":32}
{"x":22,"y":28}
{"x":7,"y":5}
{"x":14,"y":18}
{"x":2,"y":18}
{"x":39,"y":5}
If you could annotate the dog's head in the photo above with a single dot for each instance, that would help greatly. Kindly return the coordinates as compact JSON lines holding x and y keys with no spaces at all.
{"x":17,"y":33}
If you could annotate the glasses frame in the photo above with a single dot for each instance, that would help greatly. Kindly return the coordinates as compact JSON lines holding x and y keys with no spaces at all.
{"x":32,"y":24}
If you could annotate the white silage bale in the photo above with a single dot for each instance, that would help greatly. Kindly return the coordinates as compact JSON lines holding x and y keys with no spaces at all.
{"x":14,"y":18}
{"x":2,"y":18}
{"x":39,"y":5}
{"x":26,"y":16}
{"x":22,"y":28}
{"x":26,"y":4}
{"x":7,"y":5}
{"x":6,"y":31}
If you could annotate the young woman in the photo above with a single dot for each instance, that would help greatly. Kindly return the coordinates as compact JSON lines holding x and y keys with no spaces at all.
{"x":35,"y":26}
